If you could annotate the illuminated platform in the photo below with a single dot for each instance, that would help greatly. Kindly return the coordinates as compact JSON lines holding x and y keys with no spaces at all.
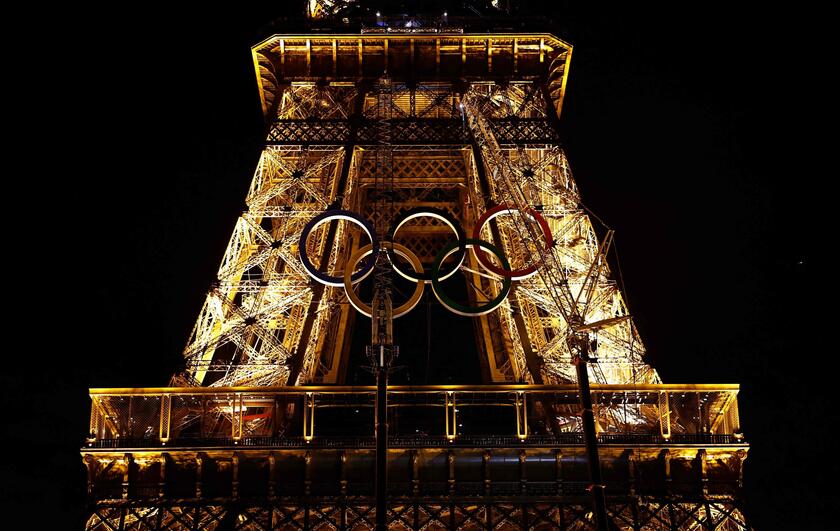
{"x":283,"y":458}
{"x":440,"y":55}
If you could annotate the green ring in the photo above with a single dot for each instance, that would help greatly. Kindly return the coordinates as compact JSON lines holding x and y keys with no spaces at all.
{"x":460,"y":309}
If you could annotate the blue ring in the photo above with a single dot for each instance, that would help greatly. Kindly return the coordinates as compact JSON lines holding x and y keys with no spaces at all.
{"x":324,"y":217}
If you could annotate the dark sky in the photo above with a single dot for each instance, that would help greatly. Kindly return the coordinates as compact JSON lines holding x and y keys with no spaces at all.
{"x":688,"y":130}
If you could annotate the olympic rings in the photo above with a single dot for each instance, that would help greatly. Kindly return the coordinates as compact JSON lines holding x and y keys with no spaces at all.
{"x":440,"y":215}
{"x":417,"y":273}
{"x":517,"y":274}
{"x":460,"y":309}
{"x":365,"y":309}
{"x":327,"y":216}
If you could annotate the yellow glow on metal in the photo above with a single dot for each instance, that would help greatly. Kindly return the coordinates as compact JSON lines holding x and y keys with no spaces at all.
{"x":271,"y":57}
{"x":309,"y":417}
{"x":495,"y":388}
{"x":656,"y":410}
{"x":451,"y":421}
{"x":308,"y":177}
{"x":521,"y":415}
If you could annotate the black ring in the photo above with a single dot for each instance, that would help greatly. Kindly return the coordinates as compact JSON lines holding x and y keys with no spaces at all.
{"x":436,"y":213}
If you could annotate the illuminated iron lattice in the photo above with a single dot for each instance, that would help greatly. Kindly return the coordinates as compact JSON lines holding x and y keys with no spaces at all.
{"x":462,"y":122}
{"x":253,"y":322}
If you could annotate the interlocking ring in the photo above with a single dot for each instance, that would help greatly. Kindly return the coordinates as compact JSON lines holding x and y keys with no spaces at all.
{"x":417,"y":274}
{"x":440,"y":215}
{"x":454,"y":306}
{"x":516,"y":274}
{"x":357,"y":302}
{"x":325,"y":217}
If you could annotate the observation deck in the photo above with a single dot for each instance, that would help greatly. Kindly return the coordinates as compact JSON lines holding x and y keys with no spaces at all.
{"x":447,"y":440}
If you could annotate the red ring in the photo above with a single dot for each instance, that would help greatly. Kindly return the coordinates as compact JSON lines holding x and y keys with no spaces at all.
{"x":516,"y":274}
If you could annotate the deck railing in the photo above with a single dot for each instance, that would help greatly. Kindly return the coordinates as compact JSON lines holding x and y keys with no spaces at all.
{"x":489,"y":415}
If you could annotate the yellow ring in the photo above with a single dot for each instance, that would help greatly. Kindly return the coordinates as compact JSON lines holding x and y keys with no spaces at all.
{"x":365,"y":309}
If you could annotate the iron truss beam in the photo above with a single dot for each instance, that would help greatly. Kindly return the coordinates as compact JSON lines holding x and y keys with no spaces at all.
{"x":454,"y":514}
{"x":407,"y":132}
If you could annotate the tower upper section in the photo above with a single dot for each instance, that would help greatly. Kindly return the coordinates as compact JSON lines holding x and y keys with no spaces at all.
{"x":411,"y":54}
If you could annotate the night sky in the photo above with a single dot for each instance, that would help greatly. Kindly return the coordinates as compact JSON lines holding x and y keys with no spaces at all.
{"x":687,"y":128}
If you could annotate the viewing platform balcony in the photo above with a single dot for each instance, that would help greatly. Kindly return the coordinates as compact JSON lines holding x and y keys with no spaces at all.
{"x":311,"y":445}
{"x":427,"y":416}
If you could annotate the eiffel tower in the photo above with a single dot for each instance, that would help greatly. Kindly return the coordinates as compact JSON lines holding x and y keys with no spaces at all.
{"x":411,"y":163}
